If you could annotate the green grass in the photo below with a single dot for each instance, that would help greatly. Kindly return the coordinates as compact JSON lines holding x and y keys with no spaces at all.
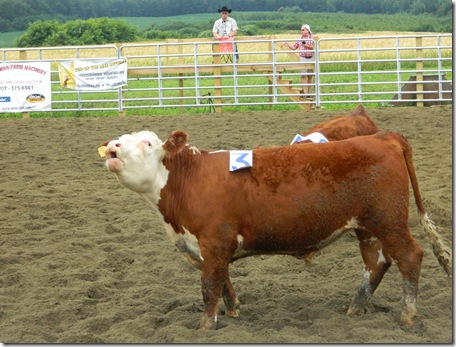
{"x":8,"y":40}
{"x":268,"y":23}
{"x":144,"y":22}
{"x":278,"y":22}
{"x":342,"y":84}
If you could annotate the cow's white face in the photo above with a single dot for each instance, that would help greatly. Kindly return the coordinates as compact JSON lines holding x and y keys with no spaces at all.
{"x":136,"y":159}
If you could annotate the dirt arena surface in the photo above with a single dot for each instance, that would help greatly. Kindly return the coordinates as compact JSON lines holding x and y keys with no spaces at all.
{"x":84,"y":260}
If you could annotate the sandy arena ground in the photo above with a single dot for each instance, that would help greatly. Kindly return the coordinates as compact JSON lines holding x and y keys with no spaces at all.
{"x":84,"y":260}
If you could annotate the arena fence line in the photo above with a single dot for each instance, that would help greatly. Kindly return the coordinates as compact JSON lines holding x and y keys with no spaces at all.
{"x":186,"y":74}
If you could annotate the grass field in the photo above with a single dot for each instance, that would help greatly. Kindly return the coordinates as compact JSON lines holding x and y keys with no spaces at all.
{"x":269,"y":23}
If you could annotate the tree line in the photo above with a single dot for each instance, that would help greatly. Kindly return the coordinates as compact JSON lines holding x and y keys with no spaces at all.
{"x":16,"y":15}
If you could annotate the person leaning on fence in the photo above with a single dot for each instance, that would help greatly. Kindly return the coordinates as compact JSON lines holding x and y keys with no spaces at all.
{"x":305,"y":45}
{"x":225,"y":27}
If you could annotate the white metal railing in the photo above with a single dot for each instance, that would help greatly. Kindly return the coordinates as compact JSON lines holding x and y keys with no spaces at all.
{"x":382,"y":70}
{"x":418,"y":62}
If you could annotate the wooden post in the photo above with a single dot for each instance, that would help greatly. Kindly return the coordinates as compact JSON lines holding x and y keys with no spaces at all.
{"x":419,"y":74}
{"x":22,"y":54}
{"x":217,"y":80}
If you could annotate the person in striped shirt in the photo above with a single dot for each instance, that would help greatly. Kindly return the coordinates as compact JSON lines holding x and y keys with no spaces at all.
{"x":305,"y":45}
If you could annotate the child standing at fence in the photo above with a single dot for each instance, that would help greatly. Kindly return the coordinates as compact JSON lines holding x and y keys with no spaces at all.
{"x":305,"y":44}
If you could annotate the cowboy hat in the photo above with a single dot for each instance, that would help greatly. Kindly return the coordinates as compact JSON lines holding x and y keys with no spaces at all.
{"x":225,"y":9}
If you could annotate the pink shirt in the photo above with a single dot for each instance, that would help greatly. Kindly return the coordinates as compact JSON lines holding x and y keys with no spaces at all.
{"x":300,"y":45}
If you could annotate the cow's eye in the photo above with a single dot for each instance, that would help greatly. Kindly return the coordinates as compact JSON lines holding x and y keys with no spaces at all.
{"x":148,"y":144}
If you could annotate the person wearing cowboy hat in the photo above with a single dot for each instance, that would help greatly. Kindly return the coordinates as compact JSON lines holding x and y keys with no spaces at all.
{"x":305,"y":44}
{"x":225,"y":26}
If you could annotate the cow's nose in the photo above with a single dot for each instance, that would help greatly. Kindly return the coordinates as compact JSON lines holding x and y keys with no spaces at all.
{"x":114,"y":144}
{"x":112,"y":149}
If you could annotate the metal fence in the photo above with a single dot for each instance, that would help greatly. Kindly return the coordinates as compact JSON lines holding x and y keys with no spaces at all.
{"x":189,"y":75}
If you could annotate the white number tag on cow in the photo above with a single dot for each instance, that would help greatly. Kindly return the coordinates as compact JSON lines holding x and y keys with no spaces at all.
{"x":240,"y":160}
{"x":314,"y":137}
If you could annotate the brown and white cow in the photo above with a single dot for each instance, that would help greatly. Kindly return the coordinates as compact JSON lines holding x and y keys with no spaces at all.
{"x":346,"y":126}
{"x":341,"y":127}
{"x":294,"y":200}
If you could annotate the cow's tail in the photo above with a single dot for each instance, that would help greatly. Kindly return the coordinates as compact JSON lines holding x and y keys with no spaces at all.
{"x":442,"y":253}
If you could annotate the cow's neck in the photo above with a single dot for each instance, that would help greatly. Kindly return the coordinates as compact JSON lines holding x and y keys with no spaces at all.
{"x":181,"y":169}
{"x":153,"y":190}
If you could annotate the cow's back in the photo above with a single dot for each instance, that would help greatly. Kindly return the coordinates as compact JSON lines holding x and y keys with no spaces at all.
{"x":346,"y":126}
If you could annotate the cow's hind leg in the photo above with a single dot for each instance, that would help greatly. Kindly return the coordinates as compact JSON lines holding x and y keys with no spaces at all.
{"x":408,"y":256}
{"x":230,"y":299}
{"x":376,"y":264}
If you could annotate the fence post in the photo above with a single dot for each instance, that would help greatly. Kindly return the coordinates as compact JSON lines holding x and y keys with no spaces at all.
{"x":217,"y":80}
{"x":122,"y":111}
{"x":181,"y":80}
{"x":419,"y":72}
{"x":270,"y":81}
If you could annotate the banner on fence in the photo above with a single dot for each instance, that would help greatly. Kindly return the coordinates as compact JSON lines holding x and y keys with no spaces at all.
{"x":93,"y":74}
{"x":25,"y":87}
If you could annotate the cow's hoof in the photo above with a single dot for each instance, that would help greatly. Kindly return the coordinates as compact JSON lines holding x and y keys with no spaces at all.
{"x":407,"y":320}
{"x":355,"y":311}
{"x":233,"y":313}
{"x":407,"y":315}
{"x":207,"y":323}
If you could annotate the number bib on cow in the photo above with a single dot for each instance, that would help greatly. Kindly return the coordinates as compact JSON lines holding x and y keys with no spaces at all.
{"x":240,"y":160}
{"x":314,"y":137}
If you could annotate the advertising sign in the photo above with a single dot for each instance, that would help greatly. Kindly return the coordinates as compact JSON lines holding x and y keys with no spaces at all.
{"x":25,"y":87}
{"x":93,"y":74}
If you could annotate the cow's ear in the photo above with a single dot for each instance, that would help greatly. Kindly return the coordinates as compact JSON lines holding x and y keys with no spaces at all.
{"x":105,"y":143}
{"x":176,"y":141}
{"x":360,"y":111}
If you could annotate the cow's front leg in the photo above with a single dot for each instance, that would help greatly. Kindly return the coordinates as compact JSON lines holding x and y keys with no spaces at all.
{"x":231,"y":300}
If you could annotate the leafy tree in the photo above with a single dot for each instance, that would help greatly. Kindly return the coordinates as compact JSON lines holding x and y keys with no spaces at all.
{"x":37,"y":33}
{"x":94,"y":31}
{"x":444,"y":9}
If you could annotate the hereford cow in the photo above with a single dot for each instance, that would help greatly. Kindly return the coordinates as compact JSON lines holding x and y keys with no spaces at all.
{"x":294,"y":200}
{"x":346,"y":126}
{"x":342,"y":127}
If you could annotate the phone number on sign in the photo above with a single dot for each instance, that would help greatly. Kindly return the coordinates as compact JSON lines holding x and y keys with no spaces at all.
{"x":13,"y":88}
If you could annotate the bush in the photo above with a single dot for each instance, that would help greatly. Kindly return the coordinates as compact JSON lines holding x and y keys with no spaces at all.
{"x":38,"y":32}
{"x":94,"y":31}
{"x":205,"y":34}
{"x":249,"y":30}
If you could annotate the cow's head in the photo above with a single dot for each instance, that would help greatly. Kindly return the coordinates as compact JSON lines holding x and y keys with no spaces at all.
{"x":136,"y":159}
